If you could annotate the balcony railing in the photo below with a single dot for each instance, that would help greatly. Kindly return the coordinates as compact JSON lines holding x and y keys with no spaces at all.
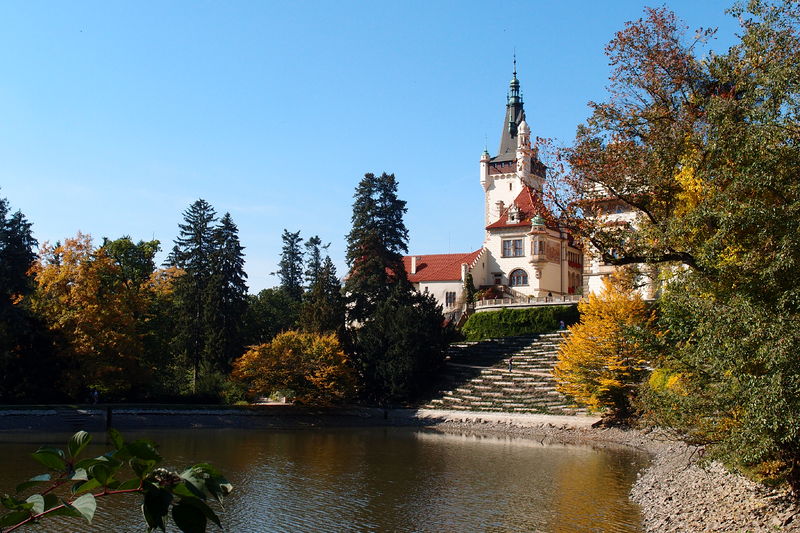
{"x":528,"y":300}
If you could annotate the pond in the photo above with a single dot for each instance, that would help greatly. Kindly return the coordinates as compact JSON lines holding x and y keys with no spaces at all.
{"x":377,"y":479}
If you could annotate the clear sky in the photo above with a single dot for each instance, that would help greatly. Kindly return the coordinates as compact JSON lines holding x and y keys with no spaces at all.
{"x":115,"y":116}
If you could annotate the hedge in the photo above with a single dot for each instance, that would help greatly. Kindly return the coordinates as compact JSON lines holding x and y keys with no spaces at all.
{"x":511,"y":322}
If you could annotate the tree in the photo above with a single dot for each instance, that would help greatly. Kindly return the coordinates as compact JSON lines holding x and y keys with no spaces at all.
{"x":323,"y":308}
{"x":313,"y":366}
{"x":193,"y":253}
{"x":16,"y":254}
{"x":375,"y":244}
{"x":72,"y":486}
{"x":136,"y":261}
{"x":704,"y":151}
{"x":270,"y":312}
{"x":290,"y":267}
{"x":314,"y":260}
{"x":601,"y":362}
{"x":81,"y":297}
{"x":400,"y":349}
{"x":228,"y":295}
{"x":27,"y":363}
{"x":397,"y":335}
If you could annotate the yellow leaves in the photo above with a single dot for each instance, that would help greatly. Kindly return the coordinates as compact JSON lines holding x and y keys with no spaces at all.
{"x":599,"y":361}
{"x":312,"y":365}
{"x":732,"y":257}
{"x":691,"y":185}
{"x":80,"y":295}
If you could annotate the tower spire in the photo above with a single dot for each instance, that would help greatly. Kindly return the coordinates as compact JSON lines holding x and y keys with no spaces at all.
{"x":515,"y":114}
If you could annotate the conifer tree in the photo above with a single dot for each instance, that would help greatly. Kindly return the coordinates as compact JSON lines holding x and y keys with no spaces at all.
{"x":323,"y":310}
{"x":400,"y":348}
{"x":397,"y":334}
{"x":313,"y":260}
{"x":290,"y":267}
{"x":375,"y":244}
{"x":227,"y":296}
{"x":192,"y":253}
{"x":27,"y":360}
{"x":16,"y":254}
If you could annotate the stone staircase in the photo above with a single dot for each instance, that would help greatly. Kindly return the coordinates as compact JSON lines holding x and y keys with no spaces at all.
{"x":477,"y":377}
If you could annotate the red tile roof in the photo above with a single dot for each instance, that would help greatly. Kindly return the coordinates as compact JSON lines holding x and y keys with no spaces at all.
{"x":439,"y":267}
{"x":530,"y":204}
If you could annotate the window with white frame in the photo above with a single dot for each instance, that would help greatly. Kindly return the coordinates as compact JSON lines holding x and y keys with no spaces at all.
{"x":518,"y":278}
{"x":449,"y":298}
{"x":513,"y":248}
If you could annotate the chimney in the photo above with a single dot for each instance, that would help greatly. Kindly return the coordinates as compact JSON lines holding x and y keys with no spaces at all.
{"x":464,"y":270}
{"x":413,"y":264}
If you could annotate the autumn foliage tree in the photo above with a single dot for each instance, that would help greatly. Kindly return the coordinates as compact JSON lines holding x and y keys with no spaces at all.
{"x":82,"y":296}
{"x":703,"y":149}
{"x":312,"y":366}
{"x":602,"y":362}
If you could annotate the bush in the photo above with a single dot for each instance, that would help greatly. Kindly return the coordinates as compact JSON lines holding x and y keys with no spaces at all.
{"x":511,"y":322}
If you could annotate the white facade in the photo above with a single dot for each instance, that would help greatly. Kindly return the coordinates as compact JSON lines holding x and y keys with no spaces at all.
{"x":523,"y":255}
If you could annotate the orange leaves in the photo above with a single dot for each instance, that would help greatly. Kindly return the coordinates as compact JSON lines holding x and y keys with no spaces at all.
{"x":81,"y":297}
{"x":313,"y":366}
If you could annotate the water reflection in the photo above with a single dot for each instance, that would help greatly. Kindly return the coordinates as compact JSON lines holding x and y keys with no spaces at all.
{"x":385,"y":479}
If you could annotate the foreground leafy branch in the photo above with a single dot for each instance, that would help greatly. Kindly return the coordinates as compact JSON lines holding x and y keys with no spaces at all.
{"x":73,"y":485}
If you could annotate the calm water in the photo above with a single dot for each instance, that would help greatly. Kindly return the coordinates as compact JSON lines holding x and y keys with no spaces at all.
{"x":378,"y":479}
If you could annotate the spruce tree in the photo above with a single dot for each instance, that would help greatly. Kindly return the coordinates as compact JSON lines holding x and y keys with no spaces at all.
{"x":27,"y":360}
{"x":397,"y":336}
{"x":192,"y":253}
{"x":290,"y":267}
{"x":227,"y":297}
{"x":323,"y":310}
{"x":375,"y":244}
{"x":313,"y":260}
{"x":400,"y":349}
{"x":16,"y":253}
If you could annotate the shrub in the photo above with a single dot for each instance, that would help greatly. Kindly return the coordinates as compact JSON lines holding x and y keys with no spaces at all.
{"x":511,"y":322}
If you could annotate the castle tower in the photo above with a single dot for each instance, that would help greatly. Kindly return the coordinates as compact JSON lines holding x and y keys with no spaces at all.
{"x":515,"y":166}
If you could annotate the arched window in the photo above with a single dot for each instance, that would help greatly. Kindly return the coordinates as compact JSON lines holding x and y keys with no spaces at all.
{"x":518,"y":278}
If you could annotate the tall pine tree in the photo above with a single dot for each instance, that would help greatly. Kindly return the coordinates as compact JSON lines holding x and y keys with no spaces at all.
{"x":193,"y":253}
{"x":27,"y":360}
{"x":375,"y":244}
{"x":227,"y":296}
{"x":397,"y":334}
{"x":290,"y":267}
{"x":314,"y":248}
{"x":323,"y":309}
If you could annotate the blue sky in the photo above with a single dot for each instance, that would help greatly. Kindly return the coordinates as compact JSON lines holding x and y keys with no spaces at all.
{"x":115,"y":116}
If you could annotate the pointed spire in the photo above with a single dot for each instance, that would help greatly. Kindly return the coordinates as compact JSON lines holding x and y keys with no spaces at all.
{"x":515,"y":114}
{"x":514,"y":96}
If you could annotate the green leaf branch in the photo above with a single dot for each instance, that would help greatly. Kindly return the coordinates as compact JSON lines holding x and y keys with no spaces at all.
{"x":164,"y":492}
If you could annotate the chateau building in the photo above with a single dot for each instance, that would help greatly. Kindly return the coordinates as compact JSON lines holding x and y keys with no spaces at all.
{"x":525,"y":255}
{"x":612,"y":211}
